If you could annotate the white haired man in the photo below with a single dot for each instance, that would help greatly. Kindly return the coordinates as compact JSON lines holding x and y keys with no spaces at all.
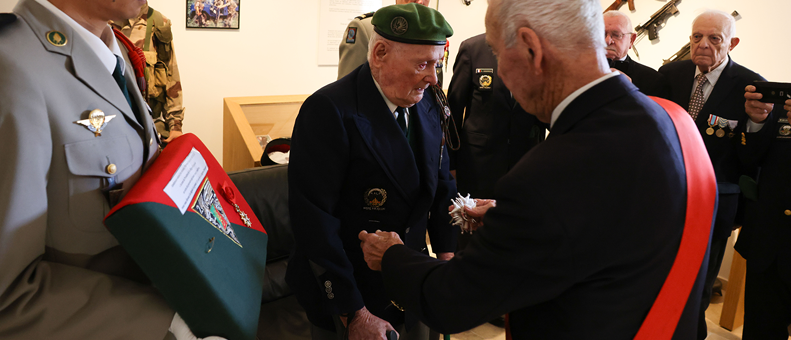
{"x":710,"y":87}
{"x":575,"y":247}
{"x":620,"y":38}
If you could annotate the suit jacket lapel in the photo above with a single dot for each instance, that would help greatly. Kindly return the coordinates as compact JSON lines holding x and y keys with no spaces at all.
{"x":724,"y":84}
{"x":383,"y":136}
{"x":428,"y":142}
{"x":83,"y":59}
{"x":687,"y":81}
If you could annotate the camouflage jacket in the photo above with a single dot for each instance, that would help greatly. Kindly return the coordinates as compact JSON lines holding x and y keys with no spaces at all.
{"x":162,"y":72}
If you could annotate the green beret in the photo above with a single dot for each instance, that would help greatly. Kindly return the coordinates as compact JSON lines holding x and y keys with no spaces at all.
{"x":412,"y":24}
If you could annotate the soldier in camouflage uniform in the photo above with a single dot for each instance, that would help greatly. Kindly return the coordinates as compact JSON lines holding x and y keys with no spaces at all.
{"x":162,"y":72}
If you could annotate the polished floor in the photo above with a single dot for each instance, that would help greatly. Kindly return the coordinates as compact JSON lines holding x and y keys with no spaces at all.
{"x":489,"y":332}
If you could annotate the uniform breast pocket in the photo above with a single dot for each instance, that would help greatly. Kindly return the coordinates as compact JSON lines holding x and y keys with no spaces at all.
{"x":93,"y":165}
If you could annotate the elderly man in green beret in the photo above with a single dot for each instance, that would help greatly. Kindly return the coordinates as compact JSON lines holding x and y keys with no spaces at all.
{"x":367,"y":155}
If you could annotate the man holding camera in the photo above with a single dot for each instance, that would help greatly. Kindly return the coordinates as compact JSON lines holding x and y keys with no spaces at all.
{"x":710,"y":87}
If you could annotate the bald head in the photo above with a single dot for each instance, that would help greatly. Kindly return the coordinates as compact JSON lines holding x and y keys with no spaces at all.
{"x":713,"y":37}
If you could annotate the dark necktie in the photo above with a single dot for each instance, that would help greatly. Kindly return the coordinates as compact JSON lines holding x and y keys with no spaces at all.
{"x":401,"y":119}
{"x":121,"y":80}
{"x":697,"y":100}
{"x":618,"y":65}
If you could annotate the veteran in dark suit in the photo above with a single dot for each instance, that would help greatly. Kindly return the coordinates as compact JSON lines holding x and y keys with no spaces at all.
{"x":72,"y":143}
{"x":710,"y":87}
{"x":546,"y":253}
{"x":766,"y":233}
{"x":367,"y":154}
{"x":620,"y":37}
{"x":494,"y":130}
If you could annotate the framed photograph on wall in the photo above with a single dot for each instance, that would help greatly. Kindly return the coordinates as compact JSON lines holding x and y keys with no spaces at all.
{"x":223,"y":14}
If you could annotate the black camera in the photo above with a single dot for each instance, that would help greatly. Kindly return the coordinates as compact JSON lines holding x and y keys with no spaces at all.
{"x":773,"y":92}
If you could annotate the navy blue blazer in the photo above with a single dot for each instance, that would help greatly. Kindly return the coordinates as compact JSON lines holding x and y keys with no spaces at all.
{"x":495,"y":131}
{"x":586,"y":229}
{"x":648,"y":80}
{"x":726,"y":100}
{"x":767,"y":227}
{"x":352,"y":169}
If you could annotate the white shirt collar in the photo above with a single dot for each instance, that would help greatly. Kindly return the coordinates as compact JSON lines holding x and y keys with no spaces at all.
{"x":107,"y":54}
{"x":563,"y":104}
{"x":390,"y":104}
{"x":713,"y":75}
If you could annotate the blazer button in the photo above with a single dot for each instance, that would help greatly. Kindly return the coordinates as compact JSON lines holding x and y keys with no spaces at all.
{"x":327,"y":284}
{"x":330,"y":296}
{"x":788,"y":212}
{"x":328,"y":290}
{"x":111,"y":169}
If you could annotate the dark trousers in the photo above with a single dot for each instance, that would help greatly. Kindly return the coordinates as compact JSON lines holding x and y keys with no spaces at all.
{"x":767,"y":303}
{"x":716,"y":253}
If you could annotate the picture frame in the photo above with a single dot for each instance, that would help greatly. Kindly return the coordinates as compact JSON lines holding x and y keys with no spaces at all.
{"x":216,"y":14}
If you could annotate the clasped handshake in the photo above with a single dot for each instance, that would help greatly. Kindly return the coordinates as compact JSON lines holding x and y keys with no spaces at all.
{"x":375,"y":244}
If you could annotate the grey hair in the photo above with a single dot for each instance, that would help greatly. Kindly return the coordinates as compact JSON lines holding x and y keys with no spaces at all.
{"x":570,"y":25}
{"x":729,"y":24}
{"x":613,"y":14}
{"x":395,"y":47}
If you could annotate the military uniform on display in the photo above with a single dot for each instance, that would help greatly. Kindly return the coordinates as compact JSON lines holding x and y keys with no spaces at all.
{"x":377,"y":172}
{"x":72,"y":141}
{"x":151,"y":31}
{"x":353,"y":50}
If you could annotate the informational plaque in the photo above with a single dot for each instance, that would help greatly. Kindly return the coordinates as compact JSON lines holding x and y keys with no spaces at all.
{"x":333,"y":18}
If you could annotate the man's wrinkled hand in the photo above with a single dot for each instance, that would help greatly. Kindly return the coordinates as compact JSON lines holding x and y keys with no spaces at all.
{"x":787,"y":107}
{"x":375,"y":245}
{"x":173,"y":135}
{"x":366,"y":326}
{"x":475,"y":215}
{"x":755,"y":109}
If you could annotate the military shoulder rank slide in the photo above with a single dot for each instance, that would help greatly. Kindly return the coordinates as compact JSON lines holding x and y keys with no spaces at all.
{"x":188,"y":227}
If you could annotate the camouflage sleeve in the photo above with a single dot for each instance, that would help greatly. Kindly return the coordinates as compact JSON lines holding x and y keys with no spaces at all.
{"x":174,"y":110}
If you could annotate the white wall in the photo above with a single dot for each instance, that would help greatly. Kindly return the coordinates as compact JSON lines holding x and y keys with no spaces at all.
{"x":274,"y":51}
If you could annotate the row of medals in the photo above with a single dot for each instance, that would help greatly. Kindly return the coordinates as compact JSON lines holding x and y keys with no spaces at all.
{"x":722,"y":124}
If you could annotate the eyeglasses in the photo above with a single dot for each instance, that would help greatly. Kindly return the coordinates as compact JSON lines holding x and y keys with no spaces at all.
{"x":615,"y":35}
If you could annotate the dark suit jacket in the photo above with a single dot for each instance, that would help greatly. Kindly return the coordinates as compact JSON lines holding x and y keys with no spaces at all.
{"x":767,"y":228}
{"x":575,"y":248}
{"x":495,"y":132}
{"x":726,"y":100}
{"x":346,"y":151}
{"x":648,"y":80}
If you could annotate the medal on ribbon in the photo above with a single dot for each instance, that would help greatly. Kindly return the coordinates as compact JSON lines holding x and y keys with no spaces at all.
{"x":712,"y":123}
{"x":732,"y":124}
{"x":723,"y":123}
